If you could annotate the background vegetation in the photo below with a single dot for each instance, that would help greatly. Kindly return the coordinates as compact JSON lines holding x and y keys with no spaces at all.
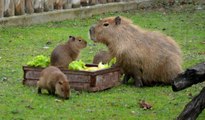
{"x":19,"y":44}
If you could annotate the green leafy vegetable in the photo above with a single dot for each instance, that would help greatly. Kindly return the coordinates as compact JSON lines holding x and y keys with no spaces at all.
{"x":39,"y":61}
{"x":77,"y":65}
{"x":112,"y":62}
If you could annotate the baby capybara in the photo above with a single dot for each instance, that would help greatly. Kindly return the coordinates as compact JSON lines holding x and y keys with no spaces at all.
{"x":147,"y":56}
{"x":55,"y":81}
{"x":64,"y":54}
{"x":102,"y":56}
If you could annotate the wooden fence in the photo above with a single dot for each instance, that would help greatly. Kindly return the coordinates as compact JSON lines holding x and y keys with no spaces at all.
{"x":20,"y":7}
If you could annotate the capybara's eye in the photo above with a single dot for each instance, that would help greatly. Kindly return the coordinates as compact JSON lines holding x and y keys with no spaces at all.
{"x":79,"y":40}
{"x":105,"y":24}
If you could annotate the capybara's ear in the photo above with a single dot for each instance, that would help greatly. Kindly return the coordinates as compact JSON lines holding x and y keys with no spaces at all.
{"x":71,"y":38}
{"x":117,"y":20}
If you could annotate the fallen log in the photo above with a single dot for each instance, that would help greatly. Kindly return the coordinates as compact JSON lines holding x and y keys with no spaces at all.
{"x":194,"y":107}
{"x":193,"y":75}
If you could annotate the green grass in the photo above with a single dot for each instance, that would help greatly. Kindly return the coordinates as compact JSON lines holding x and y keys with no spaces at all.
{"x":19,"y":44}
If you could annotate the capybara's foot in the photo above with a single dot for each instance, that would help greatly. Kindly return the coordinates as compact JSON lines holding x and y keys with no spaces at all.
{"x":39,"y":90}
{"x":50,"y":92}
{"x":126,"y":79}
{"x":138,"y":82}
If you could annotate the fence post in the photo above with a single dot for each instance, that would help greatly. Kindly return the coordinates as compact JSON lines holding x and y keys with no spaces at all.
{"x":1,"y":8}
{"x":67,"y":4}
{"x":19,"y":6}
{"x":110,"y":1}
{"x":29,"y":6}
{"x":93,"y":2}
{"x":58,"y":4}
{"x":102,"y":1}
{"x":48,"y":5}
{"x":8,"y":8}
{"x":76,"y":3}
{"x":84,"y":2}
{"x":38,"y":6}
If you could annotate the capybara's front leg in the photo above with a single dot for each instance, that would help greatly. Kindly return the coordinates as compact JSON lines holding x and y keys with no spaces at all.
{"x":126,"y":78}
{"x":39,"y":90}
{"x":138,"y":81}
{"x":51,"y":92}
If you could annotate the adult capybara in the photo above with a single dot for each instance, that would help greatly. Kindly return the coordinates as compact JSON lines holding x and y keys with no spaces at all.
{"x":64,"y":54}
{"x":147,"y":56}
{"x":55,"y":81}
{"x":102,"y":56}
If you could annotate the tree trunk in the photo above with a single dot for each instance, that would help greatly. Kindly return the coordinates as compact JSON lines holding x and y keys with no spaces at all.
{"x":193,"y":75}
{"x":194,"y":107}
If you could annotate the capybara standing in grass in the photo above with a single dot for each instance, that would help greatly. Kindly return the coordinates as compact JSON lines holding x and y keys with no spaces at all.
{"x":55,"y":81}
{"x":102,"y":56}
{"x":147,"y":56}
{"x":64,"y":54}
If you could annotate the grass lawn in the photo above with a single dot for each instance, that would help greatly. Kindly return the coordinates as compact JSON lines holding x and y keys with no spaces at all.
{"x":19,"y":44}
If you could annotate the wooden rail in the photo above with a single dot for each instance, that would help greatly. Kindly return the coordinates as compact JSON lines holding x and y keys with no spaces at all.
{"x":10,"y":8}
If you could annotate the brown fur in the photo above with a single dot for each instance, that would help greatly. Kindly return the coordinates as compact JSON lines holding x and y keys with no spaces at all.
{"x":148,"y":56}
{"x":64,"y":54}
{"x":53,"y":80}
{"x":102,"y":56}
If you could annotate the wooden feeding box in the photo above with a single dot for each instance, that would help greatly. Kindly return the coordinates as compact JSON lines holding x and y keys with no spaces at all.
{"x":79,"y":80}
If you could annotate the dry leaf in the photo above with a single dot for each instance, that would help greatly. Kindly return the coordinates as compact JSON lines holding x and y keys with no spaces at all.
{"x":145,"y":105}
{"x":201,"y":53}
